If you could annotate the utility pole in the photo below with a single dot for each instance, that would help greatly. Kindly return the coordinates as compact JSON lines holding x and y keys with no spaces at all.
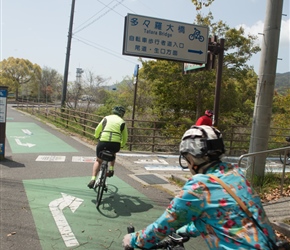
{"x":266,"y":84}
{"x":65,"y":77}
{"x":135,"y":82}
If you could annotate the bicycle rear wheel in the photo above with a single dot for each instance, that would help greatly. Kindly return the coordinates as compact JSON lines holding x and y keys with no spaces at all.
{"x":287,"y":159}
{"x":102,"y":185}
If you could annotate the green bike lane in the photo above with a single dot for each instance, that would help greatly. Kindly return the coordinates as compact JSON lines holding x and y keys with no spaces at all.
{"x":62,"y":208}
{"x":28,"y":137}
{"x":66,"y":217}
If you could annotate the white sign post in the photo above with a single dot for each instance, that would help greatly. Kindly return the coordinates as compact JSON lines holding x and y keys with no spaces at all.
{"x":164,"y":39}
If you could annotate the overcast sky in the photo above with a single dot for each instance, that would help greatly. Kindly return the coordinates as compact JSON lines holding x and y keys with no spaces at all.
{"x":37,"y":30}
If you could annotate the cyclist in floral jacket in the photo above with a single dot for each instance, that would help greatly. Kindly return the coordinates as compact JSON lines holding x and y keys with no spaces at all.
{"x":203,"y":207}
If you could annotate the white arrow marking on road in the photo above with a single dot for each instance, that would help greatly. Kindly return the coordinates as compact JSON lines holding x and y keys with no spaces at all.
{"x":24,"y":144}
{"x":56,"y":208}
{"x":26,"y":131}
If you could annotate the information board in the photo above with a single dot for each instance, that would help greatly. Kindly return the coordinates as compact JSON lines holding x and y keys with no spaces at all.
{"x":3,"y":104}
{"x":3,"y":110}
{"x":165,"y":39}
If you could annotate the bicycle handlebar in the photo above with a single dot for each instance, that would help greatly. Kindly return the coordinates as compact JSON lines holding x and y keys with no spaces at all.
{"x":171,"y":240}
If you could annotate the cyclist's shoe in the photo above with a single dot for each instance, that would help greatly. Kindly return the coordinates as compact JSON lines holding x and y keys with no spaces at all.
{"x":91,"y":184}
{"x":110,"y":173}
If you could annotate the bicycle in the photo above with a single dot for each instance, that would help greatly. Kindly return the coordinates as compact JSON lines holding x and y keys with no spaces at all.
{"x":196,"y":35}
{"x":100,"y":185}
{"x":284,"y":154}
{"x":173,"y":241}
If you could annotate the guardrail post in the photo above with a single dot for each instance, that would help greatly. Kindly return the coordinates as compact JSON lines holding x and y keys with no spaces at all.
{"x":153,"y":146}
{"x":67,"y":117}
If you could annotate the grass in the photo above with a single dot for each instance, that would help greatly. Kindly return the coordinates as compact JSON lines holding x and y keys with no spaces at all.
{"x":269,"y":188}
{"x":287,"y":221}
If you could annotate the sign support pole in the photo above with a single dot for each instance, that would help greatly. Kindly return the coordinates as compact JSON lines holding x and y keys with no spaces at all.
{"x":219,"y":72}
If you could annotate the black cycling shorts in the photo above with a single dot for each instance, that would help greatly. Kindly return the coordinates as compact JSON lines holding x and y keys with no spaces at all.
{"x":111,"y":146}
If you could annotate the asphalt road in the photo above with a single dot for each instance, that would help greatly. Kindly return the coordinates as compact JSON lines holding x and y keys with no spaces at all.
{"x":45,"y":203}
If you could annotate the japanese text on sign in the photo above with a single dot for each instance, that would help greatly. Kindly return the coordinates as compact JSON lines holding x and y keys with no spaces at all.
{"x":3,"y":100}
{"x":164,"y":39}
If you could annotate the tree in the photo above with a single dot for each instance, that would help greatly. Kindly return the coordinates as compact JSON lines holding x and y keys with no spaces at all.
{"x":90,"y":88}
{"x":93,"y":86}
{"x":122,"y":94}
{"x":199,"y":3}
{"x":175,"y":96}
{"x":16,"y":72}
{"x":171,"y":94}
{"x":281,"y":110}
{"x":50,"y":85}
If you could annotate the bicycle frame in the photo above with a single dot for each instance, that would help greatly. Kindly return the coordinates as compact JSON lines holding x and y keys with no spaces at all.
{"x":100,"y":184}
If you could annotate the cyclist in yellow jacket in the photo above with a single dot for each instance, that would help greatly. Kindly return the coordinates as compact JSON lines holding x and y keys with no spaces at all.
{"x":112,"y":133}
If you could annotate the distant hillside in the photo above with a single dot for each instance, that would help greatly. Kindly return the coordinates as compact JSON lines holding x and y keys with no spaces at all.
{"x":282,"y":82}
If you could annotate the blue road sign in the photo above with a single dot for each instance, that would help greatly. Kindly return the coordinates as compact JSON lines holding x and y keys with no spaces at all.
{"x":136,"y":70}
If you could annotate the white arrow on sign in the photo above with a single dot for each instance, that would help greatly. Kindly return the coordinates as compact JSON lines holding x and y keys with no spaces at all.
{"x":56,"y":207}
{"x":24,"y":144}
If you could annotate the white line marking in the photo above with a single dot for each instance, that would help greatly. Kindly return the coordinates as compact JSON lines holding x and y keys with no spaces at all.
{"x":147,"y":155}
{"x":58,"y":158}
{"x":83,"y":159}
{"x":26,"y":131}
{"x":151,"y":161}
{"x":162,"y":168}
{"x":24,"y":144}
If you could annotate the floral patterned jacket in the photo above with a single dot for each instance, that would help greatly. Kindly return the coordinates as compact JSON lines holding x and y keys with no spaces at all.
{"x":203,"y":208}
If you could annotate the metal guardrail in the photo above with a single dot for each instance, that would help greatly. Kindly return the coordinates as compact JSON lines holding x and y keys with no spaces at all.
{"x":284,"y":149}
{"x":145,"y":135}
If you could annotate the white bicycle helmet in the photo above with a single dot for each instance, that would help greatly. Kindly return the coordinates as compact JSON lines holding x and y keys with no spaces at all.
{"x":201,"y":141}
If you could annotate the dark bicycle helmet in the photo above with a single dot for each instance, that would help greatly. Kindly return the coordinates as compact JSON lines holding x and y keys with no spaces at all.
{"x":200,"y":141}
{"x":119,"y":110}
{"x":208,"y":112}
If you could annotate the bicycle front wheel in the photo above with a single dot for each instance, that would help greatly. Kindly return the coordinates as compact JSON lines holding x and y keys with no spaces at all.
{"x":102,"y":185}
{"x":283,"y":158}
